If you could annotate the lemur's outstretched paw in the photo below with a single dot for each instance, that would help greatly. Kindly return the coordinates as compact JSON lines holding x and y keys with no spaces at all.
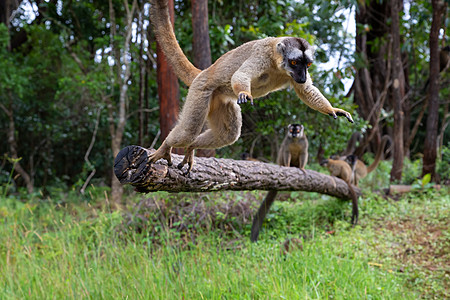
{"x":345,"y":114}
{"x":340,"y":112}
{"x":243,"y":97}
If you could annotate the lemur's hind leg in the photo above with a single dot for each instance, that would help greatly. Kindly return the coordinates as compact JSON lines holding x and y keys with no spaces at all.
{"x":190,"y":122}
{"x":224,"y":122}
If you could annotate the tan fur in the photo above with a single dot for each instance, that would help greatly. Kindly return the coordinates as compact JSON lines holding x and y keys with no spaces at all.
{"x":339,"y":168}
{"x":293,"y":153}
{"x":360,"y":170}
{"x":342,"y":169}
{"x":252,"y":70}
{"x":246,"y":156}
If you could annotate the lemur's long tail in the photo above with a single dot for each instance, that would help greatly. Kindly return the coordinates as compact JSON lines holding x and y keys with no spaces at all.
{"x":159,"y":16}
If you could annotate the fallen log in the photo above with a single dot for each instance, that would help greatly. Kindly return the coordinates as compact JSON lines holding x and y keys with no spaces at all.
{"x":131,"y":166}
{"x":401,"y":188}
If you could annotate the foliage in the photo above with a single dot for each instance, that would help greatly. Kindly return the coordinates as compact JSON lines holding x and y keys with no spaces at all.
{"x":442,"y":164}
{"x":59,"y":79}
{"x":414,"y":167}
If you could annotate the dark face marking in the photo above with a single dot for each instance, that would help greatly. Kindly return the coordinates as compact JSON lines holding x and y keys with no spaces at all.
{"x":324,"y":162}
{"x":351,"y":159}
{"x":297,"y":57}
{"x":298,"y":70}
{"x":295,"y":130}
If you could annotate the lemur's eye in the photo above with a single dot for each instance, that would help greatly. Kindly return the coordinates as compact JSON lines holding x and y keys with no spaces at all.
{"x":308,"y":65}
{"x":293,"y":62}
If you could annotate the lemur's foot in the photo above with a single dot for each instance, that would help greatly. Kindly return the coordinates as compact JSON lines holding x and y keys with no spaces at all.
{"x":189,"y":160}
{"x":162,"y":152}
{"x":243,"y":97}
{"x":340,"y":112}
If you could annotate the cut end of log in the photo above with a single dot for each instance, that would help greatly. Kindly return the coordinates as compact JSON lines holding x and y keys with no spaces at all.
{"x":130,"y":163}
{"x":132,"y":166}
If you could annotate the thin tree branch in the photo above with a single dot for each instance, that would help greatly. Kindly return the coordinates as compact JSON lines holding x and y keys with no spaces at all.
{"x":149,"y":110}
{"x":86,"y":155}
{"x":155,"y":139}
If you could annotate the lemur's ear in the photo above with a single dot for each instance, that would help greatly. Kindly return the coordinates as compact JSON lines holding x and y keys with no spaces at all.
{"x":281,"y":47}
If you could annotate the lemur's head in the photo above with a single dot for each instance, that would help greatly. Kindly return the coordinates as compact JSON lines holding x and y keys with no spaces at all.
{"x":295,"y":131}
{"x":297,"y":57}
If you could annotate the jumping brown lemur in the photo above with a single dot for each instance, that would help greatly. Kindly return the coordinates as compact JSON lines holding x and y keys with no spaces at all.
{"x":342,"y":169}
{"x":249,"y":71}
{"x":293,"y":153}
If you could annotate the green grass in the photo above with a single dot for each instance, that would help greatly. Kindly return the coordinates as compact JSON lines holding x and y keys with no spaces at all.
{"x":76,"y":251}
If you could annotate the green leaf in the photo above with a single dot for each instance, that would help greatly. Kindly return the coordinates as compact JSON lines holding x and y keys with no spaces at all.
{"x":426,"y":179}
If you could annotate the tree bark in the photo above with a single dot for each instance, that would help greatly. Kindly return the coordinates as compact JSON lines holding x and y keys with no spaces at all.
{"x":373,"y":78}
{"x":201,"y":48}
{"x":12,"y":141}
{"x":201,"y":44}
{"x":213,"y":174}
{"x":397,"y":92}
{"x":429,"y":153}
{"x":168,"y":89}
{"x":123,"y":65}
{"x":142,"y":77}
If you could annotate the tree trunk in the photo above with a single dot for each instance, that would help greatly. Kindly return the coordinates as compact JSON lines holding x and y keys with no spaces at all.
{"x":429,"y":153}
{"x":168,"y":89}
{"x":122,"y":77}
{"x":142,"y":77}
{"x":406,"y":106}
{"x":212,"y":174}
{"x":12,"y":141}
{"x":373,"y":78}
{"x":201,"y":48}
{"x":397,"y":92}
{"x":200,"y":45}
{"x":116,"y":187}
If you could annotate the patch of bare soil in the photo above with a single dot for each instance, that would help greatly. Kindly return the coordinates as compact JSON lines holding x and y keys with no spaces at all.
{"x":422,"y":247}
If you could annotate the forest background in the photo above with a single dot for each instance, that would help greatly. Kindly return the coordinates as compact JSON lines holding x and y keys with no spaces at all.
{"x":79,"y":82}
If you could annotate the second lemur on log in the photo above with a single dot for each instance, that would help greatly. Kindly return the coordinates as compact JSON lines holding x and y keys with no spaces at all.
{"x":293,"y":153}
